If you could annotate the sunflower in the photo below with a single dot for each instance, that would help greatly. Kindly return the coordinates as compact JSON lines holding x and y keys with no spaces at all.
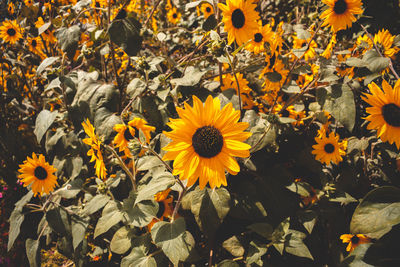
{"x":128,"y":132}
{"x":10,"y":8}
{"x":340,"y":13}
{"x":207,"y":9}
{"x":29,"y":3}
{"x":384,"y":40}
{"x":35,"y":45}
{"x":39,"y":173}
{"x":354,"y":240}
{"x":240,"y":20}
{"x":205,"y":141}
{"x":164,"y":207}
{"x":384,"y":115}
{"x":95,"y":150}
{"x":10,"y":32}
{"x":329,"y":149}
{"x":173,"y":15}
{"x":264,"y":34}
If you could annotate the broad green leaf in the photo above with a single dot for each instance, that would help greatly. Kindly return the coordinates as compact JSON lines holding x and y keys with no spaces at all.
{"x":126,"y":34}
{"x":263,"y":229}
{"x":121,"y":241}
{"x":209,"y":207}
{"x":33,"y":252}
{"x":46,"y":63}
{"x":43,"y":121}
{"x":255,"y":252}
{"x":210,"y":23}
{"x":233,"y":246}
{"x":137,"y":258}
{"x":96,"y":203}
{"x":111,"y":216}
{"x":377,"y":212}
{"x":16,"y":219}
{"x":135,"y":87}
{"x":173,"y":238}
{"x":159,"y":182}
{"x":59,"y":220}
{"x":341,"y":105}
{"x":294,"y":245}
{"x":355,"y":62}
{"x":375,"y":63}
{"x":228,"y":263}
{"x":78,"y":229}
{"x":300,"y":32}
{"x":68,"y":39}
{"x":191,"y":77}
{"x":142,"y":213}
{"x":355,"y":258}
{"x":308,"y":218}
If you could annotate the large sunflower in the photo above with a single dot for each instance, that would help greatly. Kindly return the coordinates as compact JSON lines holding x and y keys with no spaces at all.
{"x":10,"y":32}
{"x":240,"y":19}
{"x":205,"y":140}
{"x":384,"y":40}
{"x":39,"y":173}
{"x":354,"y":240}
{"x":329,"y":149}
{"x":340,"y":13}
{"x":384,"y":115}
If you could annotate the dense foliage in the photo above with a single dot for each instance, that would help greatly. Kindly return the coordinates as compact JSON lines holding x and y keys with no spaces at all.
{"x":219,"y":133}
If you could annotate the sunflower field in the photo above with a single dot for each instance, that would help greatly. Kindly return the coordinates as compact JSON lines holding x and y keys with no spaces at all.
{"x":200,"y":133}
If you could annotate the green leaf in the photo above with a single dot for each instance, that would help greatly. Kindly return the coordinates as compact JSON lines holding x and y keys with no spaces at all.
{"x":33,"y":252}
{"x":355,"y":258}
{"x":210,"y":23}
{"x":111,"y":216}
{"x":355,"y":144}
{"x":126,"y":34}
{"x":377,"y":212}
{"x":174,"y":240}
{"x":121,"y":241}
{"x":16,"y":219}
{"x":148,"y":162}
{"x":263,"y":229}
{"x":209,"y":207}
{"x":68,"y":39}
{"x":78,"y":229}
{"x":59,"y":221}
{"x":96,"y":203}
{"x":308,"y":218}
{"x":142,"y":213}
{"x":376,"y":63}
{"x":355,"y":62}
{"x":45,"y":63}
{"x":300,"y":32}
{"x":191,"y":77}
{"x":233,"y":246}
{"x":137,"y":258}
{"x":294,"y":245}
{"x":135,"y":87}
{"x":43,"y":121}
{"x":160,"y":182}
{"x":341,"y":105}
{"x":255,"y":252}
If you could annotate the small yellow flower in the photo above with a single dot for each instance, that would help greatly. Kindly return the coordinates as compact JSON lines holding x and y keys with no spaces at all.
{"x":329,"y":149}
{"x":354,"y":241}
{"x":10,"y":31}
{"x":173,"y":15}
{"x":339,"y":14}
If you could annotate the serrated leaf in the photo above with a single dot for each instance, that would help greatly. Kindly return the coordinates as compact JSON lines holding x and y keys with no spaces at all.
{"x":377,"y":212}
{"x":210,"y":206}
{"x":43,"y":121}
{"x":95,"y":204}
{"x":173,"y":239}
{"x":111,"y":216}
{"x":160,"y":182}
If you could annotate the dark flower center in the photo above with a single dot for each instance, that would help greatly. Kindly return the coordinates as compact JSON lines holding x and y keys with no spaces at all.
{"x":329,"y":148}
{"x":258,"y":37}
{"x":340,"y":7}
{"x":34,"y":43}
{"x":238,"y":18}
{"x":175,"y":15}
{"x":207,"y":141}
{"x":285,"y":113}
{"x":391,"y":114}
{"x":11,"y":32}
{"x":208,"y":9}
{"x":161,"y":209}
{"x":40,"y":173}
{"x":355,"y":239}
